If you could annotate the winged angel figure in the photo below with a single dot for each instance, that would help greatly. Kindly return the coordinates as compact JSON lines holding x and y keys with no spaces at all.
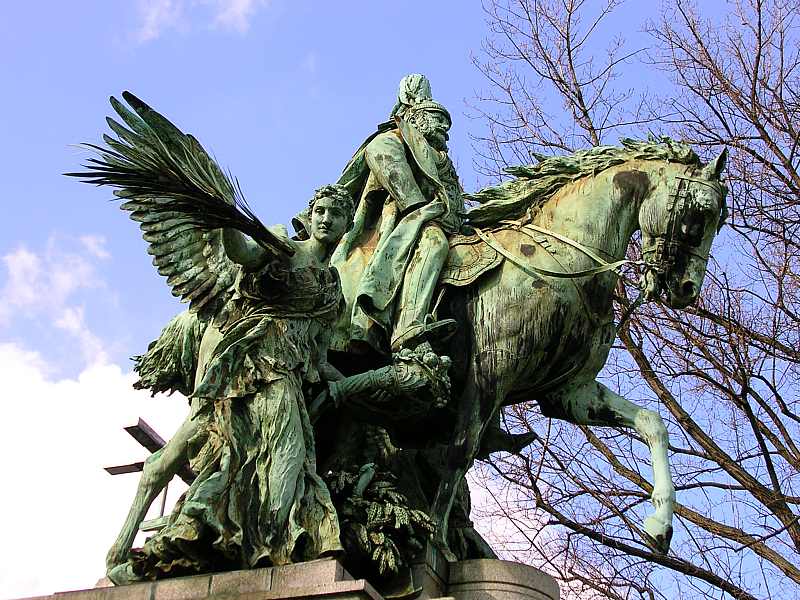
{"x":260,"y":309}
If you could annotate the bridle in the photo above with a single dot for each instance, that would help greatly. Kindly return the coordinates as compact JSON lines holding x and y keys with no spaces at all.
{"x":659,"y":257}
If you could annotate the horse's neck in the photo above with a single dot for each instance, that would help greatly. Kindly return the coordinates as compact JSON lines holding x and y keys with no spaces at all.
{"x":599,"y":212}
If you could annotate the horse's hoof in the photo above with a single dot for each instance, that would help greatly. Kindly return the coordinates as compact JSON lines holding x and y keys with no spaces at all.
{"x":657,"y":535}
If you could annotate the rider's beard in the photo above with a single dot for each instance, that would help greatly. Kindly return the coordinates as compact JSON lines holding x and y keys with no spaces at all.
{"x":436,"y":138}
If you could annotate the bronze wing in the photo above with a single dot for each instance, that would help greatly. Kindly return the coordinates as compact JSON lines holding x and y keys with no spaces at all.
{"x":181,"y":198}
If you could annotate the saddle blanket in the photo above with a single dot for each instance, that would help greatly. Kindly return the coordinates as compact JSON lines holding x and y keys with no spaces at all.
{"x":469,"y":258}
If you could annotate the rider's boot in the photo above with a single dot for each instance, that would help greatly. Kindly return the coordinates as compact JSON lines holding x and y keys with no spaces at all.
{"x":414,"y":325}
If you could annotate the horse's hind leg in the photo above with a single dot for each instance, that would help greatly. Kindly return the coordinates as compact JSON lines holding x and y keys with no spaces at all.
{"x":158,"y":470}
{"x":475,"y":410}
{"x":592,"y":403}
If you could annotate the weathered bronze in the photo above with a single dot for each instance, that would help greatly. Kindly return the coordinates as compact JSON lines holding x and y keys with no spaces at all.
{"x":404,"y":179}
{"x":540,"y":325}
{"x":308,"y":436}
{"x":535,"y":317}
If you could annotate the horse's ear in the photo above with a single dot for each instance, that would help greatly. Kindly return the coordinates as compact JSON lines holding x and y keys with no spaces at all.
{"x":713,"y":169}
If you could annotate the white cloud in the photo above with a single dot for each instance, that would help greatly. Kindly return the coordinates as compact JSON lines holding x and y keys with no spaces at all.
{"x":44,"y":281}
{"x":96,"y":245}
{"x":156,"y":16}
{"x":72,"y":321}
{"x":24,"y":270}
{"x":159,"y":16}
{"x":42,"y":286}
{"x":62,"y":510}
{"x":236,"y":14}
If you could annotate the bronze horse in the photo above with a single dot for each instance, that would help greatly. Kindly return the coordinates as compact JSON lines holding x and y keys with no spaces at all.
{"x":540,"y":326}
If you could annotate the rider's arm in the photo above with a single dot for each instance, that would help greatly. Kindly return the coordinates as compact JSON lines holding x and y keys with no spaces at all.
{"x":244,"y":251}
{"x":386,"y":158}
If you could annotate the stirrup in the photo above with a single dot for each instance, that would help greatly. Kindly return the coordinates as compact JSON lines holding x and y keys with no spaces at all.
{"x":429,"y":331}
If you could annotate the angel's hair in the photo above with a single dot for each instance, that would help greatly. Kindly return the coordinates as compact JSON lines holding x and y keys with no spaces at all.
{"x":336,"y":192}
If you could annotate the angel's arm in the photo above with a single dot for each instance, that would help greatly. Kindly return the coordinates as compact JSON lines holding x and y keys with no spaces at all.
{"x":244,"y":251}
{"x":327,"y":371}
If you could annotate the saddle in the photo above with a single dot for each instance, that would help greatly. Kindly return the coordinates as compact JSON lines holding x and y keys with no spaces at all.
{"x":467,"y":260}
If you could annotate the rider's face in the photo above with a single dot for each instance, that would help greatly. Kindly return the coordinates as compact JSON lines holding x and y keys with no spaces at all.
{"x":438,"y":126}
{"x":328,"y":221}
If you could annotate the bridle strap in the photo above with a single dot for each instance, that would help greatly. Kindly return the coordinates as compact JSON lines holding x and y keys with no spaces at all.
{"x":603,"y":266}
{"x":666,"y":247}
{"x":528,"y":227}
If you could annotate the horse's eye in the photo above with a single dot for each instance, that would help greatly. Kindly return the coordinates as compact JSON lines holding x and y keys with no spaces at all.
{"x":692,"y":227}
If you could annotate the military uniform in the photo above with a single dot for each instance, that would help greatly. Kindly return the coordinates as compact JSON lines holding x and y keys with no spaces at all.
{"x":412,"y":190}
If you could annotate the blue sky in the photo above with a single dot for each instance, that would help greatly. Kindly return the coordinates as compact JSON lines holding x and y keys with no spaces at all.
{"x":281,"y":91}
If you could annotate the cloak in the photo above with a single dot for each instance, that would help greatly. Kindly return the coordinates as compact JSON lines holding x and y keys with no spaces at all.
{"x":404,"y":213}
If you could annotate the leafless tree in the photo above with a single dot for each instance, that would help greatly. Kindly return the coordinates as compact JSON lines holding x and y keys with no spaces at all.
{"x":540,"y":65}
{"x":724,"y":374}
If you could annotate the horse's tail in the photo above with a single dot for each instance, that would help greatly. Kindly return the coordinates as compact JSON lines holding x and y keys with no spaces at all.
{"x":170,"y":362}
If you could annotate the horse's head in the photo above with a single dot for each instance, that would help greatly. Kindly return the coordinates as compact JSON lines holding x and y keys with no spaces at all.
{"x":679,"y":220}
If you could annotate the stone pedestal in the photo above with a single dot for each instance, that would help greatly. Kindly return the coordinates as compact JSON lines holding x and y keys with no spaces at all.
{"x":322,"y":579}
{"x":326,"y":579}
{"x":499,"y":580}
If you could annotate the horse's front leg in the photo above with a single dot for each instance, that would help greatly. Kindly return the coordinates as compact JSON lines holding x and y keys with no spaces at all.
{"x":158,"y":470}
{"x":592,"y":403}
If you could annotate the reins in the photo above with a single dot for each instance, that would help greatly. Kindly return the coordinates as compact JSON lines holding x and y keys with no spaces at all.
{"x":603,"y":266}
{"x":659,"y":257}
{"x":530,"y":229}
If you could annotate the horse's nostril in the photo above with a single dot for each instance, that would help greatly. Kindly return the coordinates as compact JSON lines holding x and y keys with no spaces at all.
{"x":688,"y":289}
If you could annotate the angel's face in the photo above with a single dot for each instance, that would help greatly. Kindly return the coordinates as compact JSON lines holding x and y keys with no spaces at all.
{"x":328,"y":221}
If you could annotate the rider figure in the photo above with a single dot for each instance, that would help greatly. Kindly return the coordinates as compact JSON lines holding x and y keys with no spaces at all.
{"x":409,"y":200}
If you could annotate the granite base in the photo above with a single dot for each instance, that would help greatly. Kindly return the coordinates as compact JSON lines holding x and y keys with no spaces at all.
{"x":326,"y":579}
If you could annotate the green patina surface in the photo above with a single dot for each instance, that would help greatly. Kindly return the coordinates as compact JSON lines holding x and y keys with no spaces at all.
{"x":532,"y":185}
{"x":322,"y":416}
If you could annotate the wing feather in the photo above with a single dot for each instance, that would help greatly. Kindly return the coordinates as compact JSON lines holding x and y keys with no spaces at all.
{"x":181,"y":199}
{"x":175,"y":267}
{"x":177,"y":257}
{"x":181,"y":230}
{"x":198,"y":296}
{"x":186,"y":277}
{"x":157,"y":219}
{"x":185,"y":289}
{"x":167,"y":247}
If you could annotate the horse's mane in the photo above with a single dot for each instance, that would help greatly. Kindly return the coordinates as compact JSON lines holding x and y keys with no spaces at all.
{"x":534,"y":184}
